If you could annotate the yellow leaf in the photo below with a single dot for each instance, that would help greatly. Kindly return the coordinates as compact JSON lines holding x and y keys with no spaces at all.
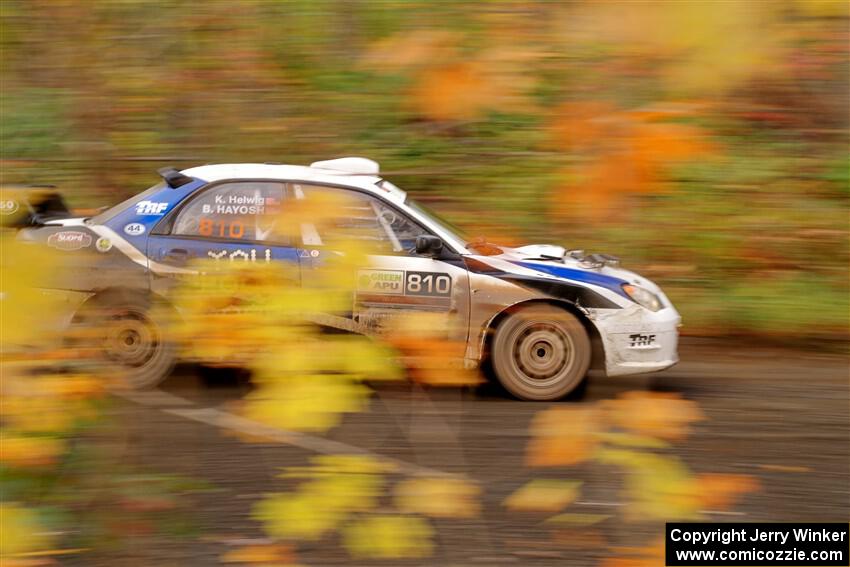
{"x":336,"y":486}
{"x":389,"y":537}
{"x":569,"y":519}
{"x":20,"y":531}
{"x":350,"y":464}
{"x":74,"y":386}
{"x":30,"y":451}
{"x":542,"y":495}
{"x":37,"y":413}
{"x":346,"y":492}
{"x":438,"y":497}
{"x":657,"y":486}
{"x":306,"y":403}
{"x":635,"y":441}
{"x":300,"y":516}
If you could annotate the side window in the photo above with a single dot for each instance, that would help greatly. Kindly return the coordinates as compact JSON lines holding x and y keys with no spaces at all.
{"x":362,"y":217}
{"x":244,"y":210}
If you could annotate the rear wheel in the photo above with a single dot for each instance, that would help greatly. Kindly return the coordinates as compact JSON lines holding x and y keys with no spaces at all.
{"x":126,"y":332}
{"x":541,"y":353}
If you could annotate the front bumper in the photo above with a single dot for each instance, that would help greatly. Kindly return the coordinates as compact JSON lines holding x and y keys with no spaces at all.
{"x":637,"y":340}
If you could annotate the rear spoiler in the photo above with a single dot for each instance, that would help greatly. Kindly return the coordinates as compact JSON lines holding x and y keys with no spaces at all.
{"x":174,"y":178}
{"x":31,"y":206}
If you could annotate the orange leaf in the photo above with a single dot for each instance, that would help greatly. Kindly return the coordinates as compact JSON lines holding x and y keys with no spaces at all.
{"x":579,"y":125}
{"x":265,"y":554}
{"x":660,"y":415}
{"x":650,"y":556}
{"x":458,"y":91}
{"x":624,"y":152}
{"x":562,"y":436}
{"x":719,"y":491}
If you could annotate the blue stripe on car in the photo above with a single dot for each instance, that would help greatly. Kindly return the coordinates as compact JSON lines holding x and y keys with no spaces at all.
{"x":608,"y":282}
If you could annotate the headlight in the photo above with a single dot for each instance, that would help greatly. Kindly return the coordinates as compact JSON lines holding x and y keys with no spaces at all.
{"x":643,"y":297}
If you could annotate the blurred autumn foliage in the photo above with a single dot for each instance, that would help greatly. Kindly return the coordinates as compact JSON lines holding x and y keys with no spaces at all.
{"x":628,"y":438}
{"x":64,"y":488}
{"x":343,"y":493}
{"x":703,"y":142}
{"x":631,"y":432}
{"x":308,"y":370}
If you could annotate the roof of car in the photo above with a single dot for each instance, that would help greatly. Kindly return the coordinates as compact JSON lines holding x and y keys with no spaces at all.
{"x":325,"y":174}
{"x":217,"y":172}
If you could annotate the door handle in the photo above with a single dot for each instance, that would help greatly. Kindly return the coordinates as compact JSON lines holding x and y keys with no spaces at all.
{"x":177,"y":255}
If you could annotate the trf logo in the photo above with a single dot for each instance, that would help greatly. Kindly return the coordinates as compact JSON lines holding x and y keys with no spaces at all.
{"x":150,"y":208}
{"x":639,"y":340}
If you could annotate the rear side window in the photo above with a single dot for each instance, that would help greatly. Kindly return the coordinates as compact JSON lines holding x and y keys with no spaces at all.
{"x":243,"y":210}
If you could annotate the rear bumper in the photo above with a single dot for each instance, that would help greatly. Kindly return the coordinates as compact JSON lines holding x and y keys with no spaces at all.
{"x":637,"y":340}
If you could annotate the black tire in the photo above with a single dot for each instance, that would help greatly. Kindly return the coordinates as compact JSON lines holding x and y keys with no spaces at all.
{"x":222,"y":376}
{"x":127,"y":333}
{"x":541,"y":353}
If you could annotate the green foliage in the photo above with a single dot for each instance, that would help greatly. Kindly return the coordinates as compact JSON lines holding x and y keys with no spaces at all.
{"x":35,"y":122}
{"x":790,"y":303}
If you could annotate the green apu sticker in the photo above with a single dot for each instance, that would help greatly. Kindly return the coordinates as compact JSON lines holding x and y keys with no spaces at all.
{"x":381,"y":281}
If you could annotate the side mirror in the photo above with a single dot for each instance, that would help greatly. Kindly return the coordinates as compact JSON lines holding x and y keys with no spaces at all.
{"x":428,"y":245}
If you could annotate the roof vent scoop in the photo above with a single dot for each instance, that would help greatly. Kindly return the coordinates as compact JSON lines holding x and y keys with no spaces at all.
{"x":351,"y":165}
{"x":174,"y":178}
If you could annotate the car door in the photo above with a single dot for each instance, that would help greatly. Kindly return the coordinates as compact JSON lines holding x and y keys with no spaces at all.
{"x":233,"y":221}
{"x":395,"y":280}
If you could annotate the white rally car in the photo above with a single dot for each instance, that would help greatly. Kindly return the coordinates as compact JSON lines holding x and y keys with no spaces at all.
{"x":540,"y":315}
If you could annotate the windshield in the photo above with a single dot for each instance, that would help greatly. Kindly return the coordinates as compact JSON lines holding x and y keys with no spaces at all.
{"x":442,"y":223}
{"x":112,"y":211}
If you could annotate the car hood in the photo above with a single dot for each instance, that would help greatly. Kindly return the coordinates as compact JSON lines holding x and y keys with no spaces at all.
{"x":574,"y":265}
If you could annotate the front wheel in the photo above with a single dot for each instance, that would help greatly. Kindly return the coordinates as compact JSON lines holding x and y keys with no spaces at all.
{"x":541,"y":353}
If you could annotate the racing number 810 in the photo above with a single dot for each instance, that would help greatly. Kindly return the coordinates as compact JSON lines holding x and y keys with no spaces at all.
{"x":424,"y":283}
{"x":229,"y":229}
